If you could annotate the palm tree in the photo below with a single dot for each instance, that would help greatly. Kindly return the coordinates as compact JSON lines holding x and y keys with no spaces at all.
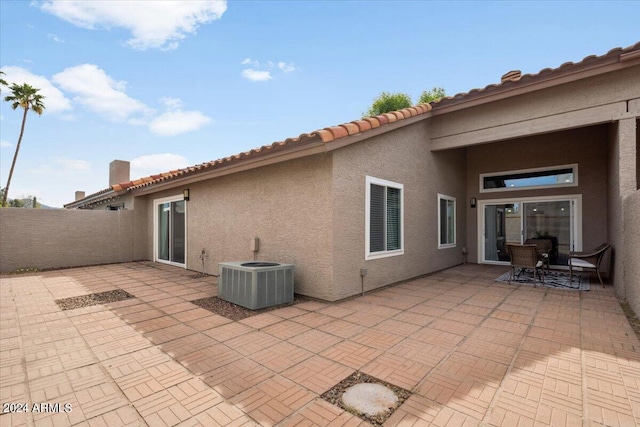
{"x":26,"y":97}
{"x":3,"y":82}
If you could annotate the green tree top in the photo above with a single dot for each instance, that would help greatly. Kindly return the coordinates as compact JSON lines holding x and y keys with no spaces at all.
{"x":432,"y":95}
{"x":386,"y":102}
{"x":25,"y":96}
{"x":3,"y":82}
{"x":28,"y":98}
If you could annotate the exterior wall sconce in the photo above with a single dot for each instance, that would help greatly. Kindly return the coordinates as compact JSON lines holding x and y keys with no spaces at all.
{"x":185,"y":194}
{"x":473,"y":202}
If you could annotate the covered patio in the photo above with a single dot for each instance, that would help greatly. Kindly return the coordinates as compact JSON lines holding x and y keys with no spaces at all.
{"x":472,"y":351}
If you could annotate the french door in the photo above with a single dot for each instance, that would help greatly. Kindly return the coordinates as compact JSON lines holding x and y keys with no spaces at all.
{"x":514,"y":221}
{"x":170,"y":230}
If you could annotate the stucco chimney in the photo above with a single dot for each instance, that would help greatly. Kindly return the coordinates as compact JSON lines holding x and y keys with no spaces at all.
{"x":118,"y":172}
{"x":79,"y":195}
{"x":511,"y":76}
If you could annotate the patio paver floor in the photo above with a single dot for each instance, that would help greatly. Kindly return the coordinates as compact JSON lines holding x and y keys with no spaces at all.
{"x":471,"y":350}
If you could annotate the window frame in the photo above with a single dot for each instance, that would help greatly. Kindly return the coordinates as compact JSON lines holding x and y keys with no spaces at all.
{"x":573,"y":166}
{"x":444,"y":197}
{"x":370,"y":180}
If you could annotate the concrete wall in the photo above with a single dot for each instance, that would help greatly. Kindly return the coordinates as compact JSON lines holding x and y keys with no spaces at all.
{"x":632,"y":250}
{"x":59,"y":238}
{"x":585,"y":146}
{"x":401,"y":156}
{"x":286,"y":205}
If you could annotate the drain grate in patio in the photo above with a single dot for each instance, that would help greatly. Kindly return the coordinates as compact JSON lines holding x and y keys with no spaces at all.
{"x":235,"y":312}
{"x":93,"y":299}
{"x":335,"y":396}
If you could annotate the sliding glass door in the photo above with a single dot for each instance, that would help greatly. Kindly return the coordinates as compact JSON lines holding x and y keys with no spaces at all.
{"x":515,"y":221}
{"x":170,"y":231}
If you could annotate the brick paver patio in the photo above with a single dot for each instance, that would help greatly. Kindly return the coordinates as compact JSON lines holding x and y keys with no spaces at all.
{"x":472,"y":351}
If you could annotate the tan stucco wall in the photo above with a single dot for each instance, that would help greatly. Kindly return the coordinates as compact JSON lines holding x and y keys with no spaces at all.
{"x":142,"y":230}
{"x":401,"y":156}
{"x":632,"y":250}
{"x":286,"y":205}
{"x":621,"y":184}
{"x":585,"y":146}
{"x":579,"y":96}
{"x":59,"y":238}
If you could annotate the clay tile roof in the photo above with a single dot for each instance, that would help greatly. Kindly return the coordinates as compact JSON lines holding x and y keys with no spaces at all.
{"x":338,"y":132}
{"x":402,"y":114}
{"x":391,"y":117}
{"x":511,"y":78}
{"x":382,"y":119}
{"x":325,"y":135}
{"x":351,"y":128}
{"x":329,"y":134}
{"x":373,"y":121}
{"x":363,"y":125}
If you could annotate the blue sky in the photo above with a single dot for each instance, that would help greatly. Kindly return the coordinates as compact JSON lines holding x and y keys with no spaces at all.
{"x":170,"y":84}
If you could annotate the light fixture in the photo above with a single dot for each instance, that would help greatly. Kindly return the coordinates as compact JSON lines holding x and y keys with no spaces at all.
{"x":473,"y":202}
{"x":185,"y":194}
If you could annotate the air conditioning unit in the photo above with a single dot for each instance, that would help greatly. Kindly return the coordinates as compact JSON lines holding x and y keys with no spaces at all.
{"x":255,"y":284}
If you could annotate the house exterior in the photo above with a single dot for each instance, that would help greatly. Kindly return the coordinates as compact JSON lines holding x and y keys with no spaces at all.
{"x":113,"y":198}
{"x":549,"y":155}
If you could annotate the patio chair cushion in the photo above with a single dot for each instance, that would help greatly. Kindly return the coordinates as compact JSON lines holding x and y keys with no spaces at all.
{"x":576,"y":262}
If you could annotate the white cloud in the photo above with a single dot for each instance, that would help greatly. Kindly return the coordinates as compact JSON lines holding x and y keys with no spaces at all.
{"x":249,"y":61}
{"x":57,"y":177}
{"x":175,"y":121}
{"x":55,"y":38}
{"x":54,"y":101}
{"x":172,"y":103}
{"x":72,"y":165}
{"x":286,"y":68}
{"x":153,"y":24}
{"x":61,"y":166}
{"x":152,"y":164}
{"x":255,"y":75}
{"x":5,"y":144}
{"x":178,"y":122}
{"x":261,"y":72}
{"x":99,"y":92}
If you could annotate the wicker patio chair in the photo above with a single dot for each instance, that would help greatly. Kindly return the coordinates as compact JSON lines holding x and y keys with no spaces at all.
{"x":525,"y":256}
{"x":545,"y":246}
{"x":588,"y":260}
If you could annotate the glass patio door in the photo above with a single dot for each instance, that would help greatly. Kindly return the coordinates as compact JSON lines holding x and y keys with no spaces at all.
{"x":170,"y":232}
{"x":502,"y":225}
{"x":515,"y":221}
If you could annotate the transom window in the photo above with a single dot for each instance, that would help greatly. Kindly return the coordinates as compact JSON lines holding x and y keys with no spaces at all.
{"x":384,"y":218}
{"x":556,"y":176}
{"x":446,"y":221}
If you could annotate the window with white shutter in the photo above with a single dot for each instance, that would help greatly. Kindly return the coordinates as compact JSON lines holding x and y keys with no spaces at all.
{"x":383,"y":221}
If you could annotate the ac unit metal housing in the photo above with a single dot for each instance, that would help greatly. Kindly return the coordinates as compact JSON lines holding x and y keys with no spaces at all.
{"x":255,"y":284}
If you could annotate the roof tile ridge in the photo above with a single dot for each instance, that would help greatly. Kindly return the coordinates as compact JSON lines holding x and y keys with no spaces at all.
{"x":566,"y":65}
{"x":326,"y":135}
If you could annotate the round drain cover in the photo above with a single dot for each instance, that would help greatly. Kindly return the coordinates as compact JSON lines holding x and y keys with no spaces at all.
{"x":370,"y":399}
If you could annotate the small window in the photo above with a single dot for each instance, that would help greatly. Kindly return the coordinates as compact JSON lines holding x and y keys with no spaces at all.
{"x":384,"y":225}
{"x":559,"y":176}
{"x":446,"y":221}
